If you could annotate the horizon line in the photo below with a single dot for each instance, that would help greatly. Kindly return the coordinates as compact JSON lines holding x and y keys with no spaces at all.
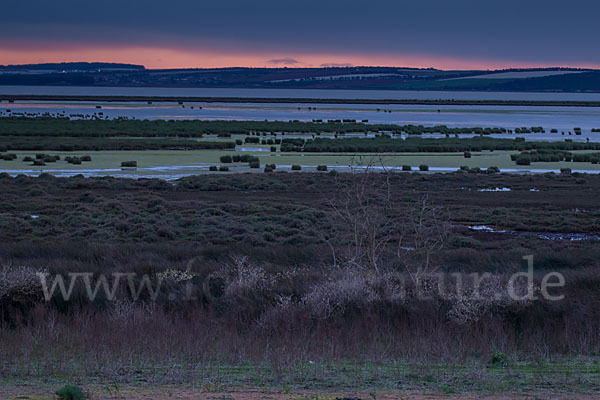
{"x":557,"y":67}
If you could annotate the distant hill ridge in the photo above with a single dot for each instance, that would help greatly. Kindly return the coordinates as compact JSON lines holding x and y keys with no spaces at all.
{"x":556,"y":79}
{"x":73,"y":66}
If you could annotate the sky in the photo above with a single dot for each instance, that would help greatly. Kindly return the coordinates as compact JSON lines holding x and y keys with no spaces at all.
{"x":445,"y":34}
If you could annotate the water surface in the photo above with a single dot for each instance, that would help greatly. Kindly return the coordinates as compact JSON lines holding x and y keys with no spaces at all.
{"x":294,"y":93}
{"x":564,"y":119}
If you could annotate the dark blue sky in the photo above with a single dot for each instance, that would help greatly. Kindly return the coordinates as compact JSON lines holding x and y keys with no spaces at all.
{"x":448,"y":33}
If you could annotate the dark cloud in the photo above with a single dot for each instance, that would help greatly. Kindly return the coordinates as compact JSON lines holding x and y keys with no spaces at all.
{"x":542,"y":31}
{"x":284,"y":61}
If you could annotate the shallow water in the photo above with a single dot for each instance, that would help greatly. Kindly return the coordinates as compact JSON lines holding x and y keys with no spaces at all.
{"x":564,"y":119}
{"x":258,"y":149}
{"x":295,"y":93}
{"x":541,"y":235}
{"x":172,"y":172}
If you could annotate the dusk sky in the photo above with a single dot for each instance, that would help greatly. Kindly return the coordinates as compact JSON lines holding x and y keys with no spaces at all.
{"x":428,"y":33}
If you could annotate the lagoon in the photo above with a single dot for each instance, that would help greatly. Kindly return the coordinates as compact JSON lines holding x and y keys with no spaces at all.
{"x":295,"y":93}
{"x":510,"y":117}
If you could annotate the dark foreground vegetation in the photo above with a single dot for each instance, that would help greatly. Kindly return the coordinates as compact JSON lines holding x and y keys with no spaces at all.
{"x":65,"y":127}
{"x":552,"y":155}
{"x":301,"y":276}
{"x":385,"y":143}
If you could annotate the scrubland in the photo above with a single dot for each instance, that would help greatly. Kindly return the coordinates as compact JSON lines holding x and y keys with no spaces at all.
{"x":302,"y":281}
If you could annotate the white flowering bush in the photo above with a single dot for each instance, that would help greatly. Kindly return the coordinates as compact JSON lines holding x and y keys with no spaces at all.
{"x":175,"y":275}
{"x":20,"y":283}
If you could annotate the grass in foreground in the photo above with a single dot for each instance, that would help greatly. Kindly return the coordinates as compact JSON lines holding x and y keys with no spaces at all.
{"x":329,"y":380}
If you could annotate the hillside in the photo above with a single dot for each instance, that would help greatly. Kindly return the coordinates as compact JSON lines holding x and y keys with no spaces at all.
{"x":380,"y":78}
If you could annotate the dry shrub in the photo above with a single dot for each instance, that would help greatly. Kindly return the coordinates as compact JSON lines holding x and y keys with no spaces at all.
{"x":363,"y":290}
{"x":246,"y":279}
{"x":125,"y":313}
{"x":284,"y":315}
{"x":19,"y":282}
{"x":20,"y":290}
{"x":471,"y":304}
{"x":350,"y":289}
{"x":175,"y":275}
{"x":247,"y":290}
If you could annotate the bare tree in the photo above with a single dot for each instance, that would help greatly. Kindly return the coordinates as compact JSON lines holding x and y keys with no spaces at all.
{"x":363,"y":215}
{"x":424,"y":234}
{"x":371,"y":221}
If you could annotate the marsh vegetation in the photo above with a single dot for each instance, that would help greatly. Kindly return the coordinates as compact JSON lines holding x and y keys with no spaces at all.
{"x":273,"y":271}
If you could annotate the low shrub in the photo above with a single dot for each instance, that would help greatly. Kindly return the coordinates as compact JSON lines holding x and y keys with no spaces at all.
{"x":223,"y":169}
{"x":406,"y":168}
{"x":321,"y":167}
{"x":498,"y":359}
{"x":213,"y":168}
{"x":268,"y":169}
{"x":273,"y":149}
{"x":69,"y":392}
{"x":38,"y":163}
{"x":248,"y":158}
{"x":239,"y":142}
{"x":296,"y":168}
{"x":254,"y":164}
{"x":27,"y":159}
{"x":493,"y":170}
{"x":566,"y":171}
{"x":86,"y":158}
{"x":467,"y":154}
{"x":129,"y":164}
{"x":51,"y":159}
{"x":424,"y":167}
{"x":226,"y":159}
{"x":20,"y":291}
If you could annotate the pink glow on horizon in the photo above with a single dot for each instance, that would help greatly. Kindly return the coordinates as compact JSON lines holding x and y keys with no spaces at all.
{"x":166,"y":58}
